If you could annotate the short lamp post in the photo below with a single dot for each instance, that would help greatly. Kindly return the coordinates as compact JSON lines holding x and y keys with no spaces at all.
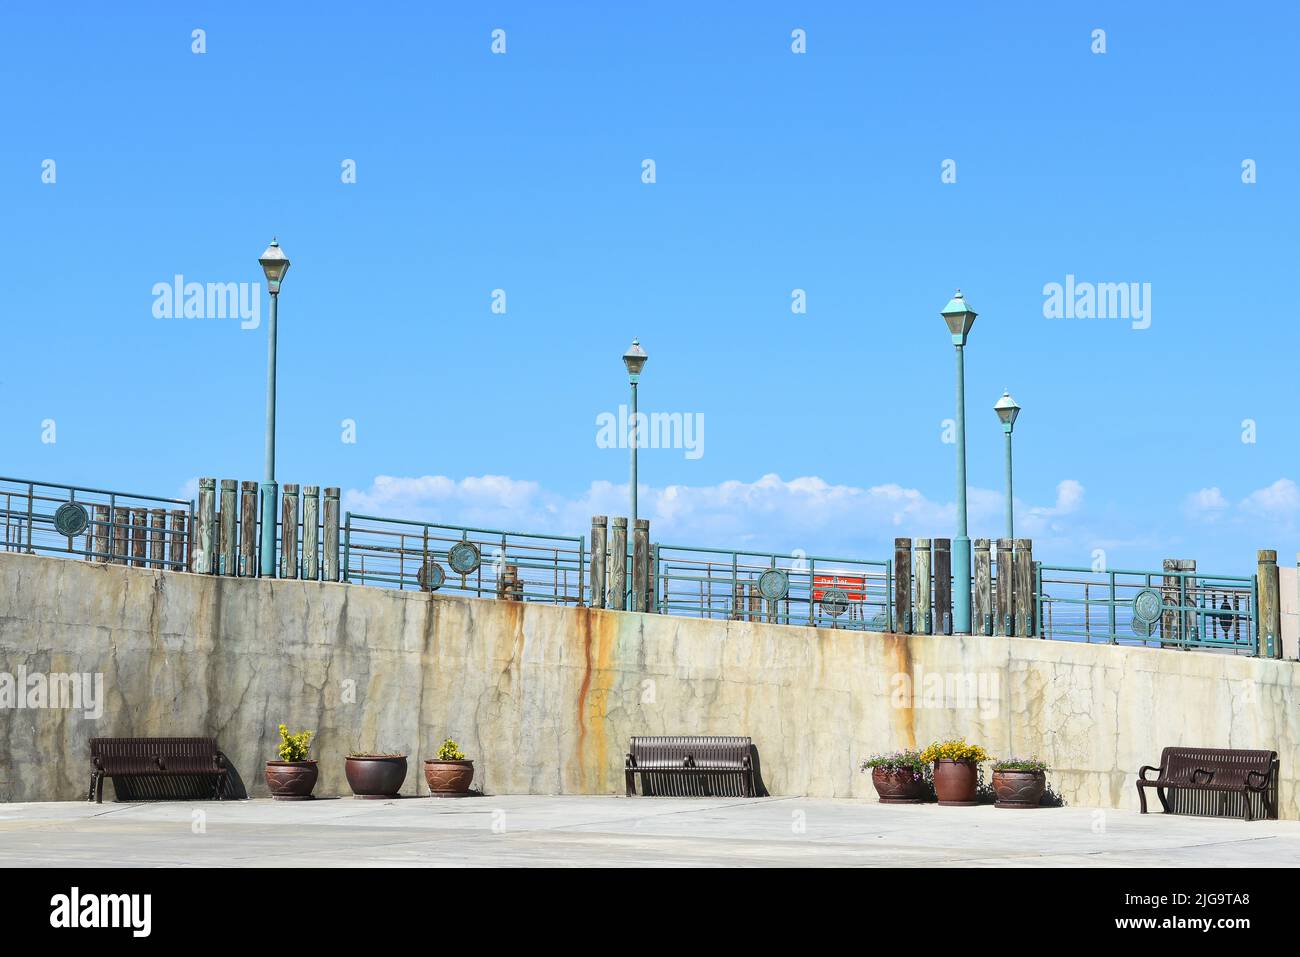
{"x":1007,"y":411}
{"x":634,"y":359}
{"x":275,"y":264}
{"x":960,"y":317}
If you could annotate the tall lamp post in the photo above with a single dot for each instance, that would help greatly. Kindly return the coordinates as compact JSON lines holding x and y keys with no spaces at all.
{"x":634,"y":359}
{"x":275,"y":264}
{"x":960,"y":317}
{"x":1007,"y":411}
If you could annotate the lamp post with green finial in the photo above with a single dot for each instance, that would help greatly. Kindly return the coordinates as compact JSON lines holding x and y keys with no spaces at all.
{"x":960,"y":317}
{"x":1007,"y":411}
{"x":274,"y":264}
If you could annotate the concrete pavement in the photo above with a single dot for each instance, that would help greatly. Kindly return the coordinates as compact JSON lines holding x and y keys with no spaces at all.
{"x":523,"y":831}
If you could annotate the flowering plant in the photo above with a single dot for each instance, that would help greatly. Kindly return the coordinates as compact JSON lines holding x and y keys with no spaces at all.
{"x":909,"y":761}
{"x":294,"y":747}
{"x":955,"y":749}
{"x":1020,"y":764}
{"x":450,"y":751}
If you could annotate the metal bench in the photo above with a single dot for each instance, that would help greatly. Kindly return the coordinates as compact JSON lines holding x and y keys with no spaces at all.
{"x":1214,"y":782}
{"x":691,"y":766}
{"x":158,"y":769}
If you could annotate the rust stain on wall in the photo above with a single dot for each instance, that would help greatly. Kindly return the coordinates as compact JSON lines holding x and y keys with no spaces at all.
{"x":900,"y":648}
{"x":599,"y":631}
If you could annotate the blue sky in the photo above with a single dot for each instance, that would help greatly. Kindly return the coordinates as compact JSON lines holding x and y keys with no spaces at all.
{"x":775,"y":171}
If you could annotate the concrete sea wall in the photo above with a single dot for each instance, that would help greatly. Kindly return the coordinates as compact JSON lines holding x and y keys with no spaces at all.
{"x":545,"y":698}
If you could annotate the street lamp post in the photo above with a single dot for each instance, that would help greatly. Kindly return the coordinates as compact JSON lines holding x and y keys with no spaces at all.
{"x":960,"y":317}
{"x":275,"y":264}
{"x":634,"y":359}
{"x":1007,"y":411}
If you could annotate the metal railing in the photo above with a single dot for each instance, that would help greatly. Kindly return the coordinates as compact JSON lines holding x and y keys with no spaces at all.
{"x":483,"y":562}
{"x":1189,"y":610}
{"x":46,"y":518}
{"x":813,"y":590}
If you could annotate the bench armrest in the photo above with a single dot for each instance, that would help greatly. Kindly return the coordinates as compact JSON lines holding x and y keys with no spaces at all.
{"x":219,"y":760}
{"x":629,"y":762}
{"x":1209,"y":776}
{"x":1142,"y":772}
{"x":1263,"y":780}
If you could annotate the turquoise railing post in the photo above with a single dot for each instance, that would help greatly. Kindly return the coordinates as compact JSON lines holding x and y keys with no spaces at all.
{"x":889,"y":595}
{"x":1036,"y":631}
{"x":1114,"y":629}
{"x":347,"y":543}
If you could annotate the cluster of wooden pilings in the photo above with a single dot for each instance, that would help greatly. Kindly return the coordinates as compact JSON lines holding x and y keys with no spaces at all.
{"x":226,"y":539}
{"x":142,"y":537}
{"x":1002,"y":594}
{"x":610,"y":587}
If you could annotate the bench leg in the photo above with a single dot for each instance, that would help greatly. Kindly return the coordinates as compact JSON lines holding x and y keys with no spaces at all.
{"x":94,"y":778}
{"x":1164,"y":801}
{"x":629,"y":778}
{"x":99,"y":788}
{"x":1142,"y":798}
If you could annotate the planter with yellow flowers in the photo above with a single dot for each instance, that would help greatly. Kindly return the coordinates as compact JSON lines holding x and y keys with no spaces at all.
{"x":956,"y":771}
{"x":293,"y":777}
{"x":450,"y":773}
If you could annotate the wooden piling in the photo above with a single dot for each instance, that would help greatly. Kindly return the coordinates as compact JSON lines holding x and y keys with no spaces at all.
{"x":228,"y":523}
{"x":599,"y":526}
{"x":311,"y":532}
{"x":178,"y":540}
{"x":943,"y":586}
{"x":640,"y":563}
{"x":982,"y":619}
{"x":248,"y":530}
{"x":903,"y":585}
{"x":1005,"y":599}
{"x":100,"y":543}
{"x":203,"y":551}
{"x":1269,"y":636}
{"x":289,"y":532}
{"x":1024,"y":588}
{"x":617,"y":558}
{"x":922,"y":585}
{"x":157,"y":537}
{"x":330,"y":535}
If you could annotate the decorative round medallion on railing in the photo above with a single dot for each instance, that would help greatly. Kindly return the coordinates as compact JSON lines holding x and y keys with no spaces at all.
{"x":1147,"y":606}
{"x":431,"y":576}
{"x":71,"y":518}
{"x":1144,"y":629}
{"x":464,"y":558}
{"x":774,"y":584}
{"x":835,"y":602}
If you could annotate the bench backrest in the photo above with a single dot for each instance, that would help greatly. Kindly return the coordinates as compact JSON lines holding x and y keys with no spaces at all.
{"x":714,"y":752}
{"x":1230,"y":766}
{"x":142,"y":755}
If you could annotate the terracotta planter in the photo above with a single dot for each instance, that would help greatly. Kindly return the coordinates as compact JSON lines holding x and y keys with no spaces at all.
{"x":955,"y":782}
{"x":1019,"y":789}
{"x":897,"y":786}
{"x":291,"y":780}
{"x":375,"y":775}
{"x":448,"y":778}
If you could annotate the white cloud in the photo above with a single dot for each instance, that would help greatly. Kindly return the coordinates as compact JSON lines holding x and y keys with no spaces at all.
{"x":1206,"y":503}
{"x":1281,"y":500}
{"x":771,"y":513}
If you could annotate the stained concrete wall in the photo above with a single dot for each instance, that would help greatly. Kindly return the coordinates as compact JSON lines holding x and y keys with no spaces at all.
{"x":545,"y":698}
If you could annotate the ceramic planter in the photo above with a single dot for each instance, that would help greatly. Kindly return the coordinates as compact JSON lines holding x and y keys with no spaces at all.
{"x":955,"y":782}
{"x":375,"y":775}
{"x":897,"y":786}
{"x":291,"y":780}
{"x":1019,"y":789}
{"x":448,"y":778}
